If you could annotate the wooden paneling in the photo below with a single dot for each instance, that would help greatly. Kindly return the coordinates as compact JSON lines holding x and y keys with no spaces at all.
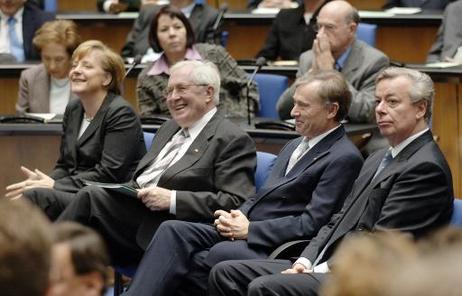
{"x":31,"y":151}
{"x":76,"y":5}
{"x":8,"y":94}
{"x":446,"y":127}
{"x":245,"y":41}
{"x":408,"y":44}
{"x":113,"y":34}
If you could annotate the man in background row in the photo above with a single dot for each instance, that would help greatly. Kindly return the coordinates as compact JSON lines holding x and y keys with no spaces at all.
{"x":336,"y":47}
{"x":19,"y":20}
{"x":448,"y":44}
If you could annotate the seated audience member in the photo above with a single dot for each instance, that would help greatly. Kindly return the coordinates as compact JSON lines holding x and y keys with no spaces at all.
{"x":25,"y":249}
{"x":199,"y":162}
{"x":312,"y":176}
{"x":407,"y":187}
{"x":201,"y":16}
{"x":375,"y":259}
{"x":292,"y":31}
{"x":20,"y":19}
{"x":449,"y":37}
{"x":424,"y":4}
{"x":79,"y":261}
{"x":102,"y":137}
{"x":46,"y":88}
{"x":116,"y":6}
{"x":171,"y":33}
{"x":336,"y":47}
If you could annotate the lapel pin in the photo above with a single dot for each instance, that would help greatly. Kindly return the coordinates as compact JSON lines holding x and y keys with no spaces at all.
{"x":196,"y":150}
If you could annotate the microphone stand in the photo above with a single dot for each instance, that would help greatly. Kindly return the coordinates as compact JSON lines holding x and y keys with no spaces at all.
{"x":258,"y":64}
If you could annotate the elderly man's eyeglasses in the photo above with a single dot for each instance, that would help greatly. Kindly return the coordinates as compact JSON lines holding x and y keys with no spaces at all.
{"x":180,"y":89}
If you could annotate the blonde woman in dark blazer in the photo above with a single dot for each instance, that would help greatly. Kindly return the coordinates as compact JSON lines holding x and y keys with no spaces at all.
{"x":45,"y":88}
{"x":102,"y":137}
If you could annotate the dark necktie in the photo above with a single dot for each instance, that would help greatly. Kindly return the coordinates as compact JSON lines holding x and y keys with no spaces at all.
{"x":387,"y":158}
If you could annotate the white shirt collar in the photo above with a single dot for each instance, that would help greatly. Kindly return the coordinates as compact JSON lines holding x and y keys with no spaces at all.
{"x":17,"y":15}
{"x":318,"y":138}
{"x":197,"y":127}
{"x":398,"y":148}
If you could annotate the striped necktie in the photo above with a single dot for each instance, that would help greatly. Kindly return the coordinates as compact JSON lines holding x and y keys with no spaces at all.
{"x":16,"y":46}
{"x":153,"y":173}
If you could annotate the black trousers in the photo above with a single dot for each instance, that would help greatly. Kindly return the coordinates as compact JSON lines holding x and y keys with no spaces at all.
{"x":116,"y":217}
{"x":51,"y":201}
{"x":180,"y":256}
{"x":261,"y":277}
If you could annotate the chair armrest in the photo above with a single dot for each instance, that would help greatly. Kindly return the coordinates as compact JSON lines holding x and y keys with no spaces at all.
{"x":289,"y":249}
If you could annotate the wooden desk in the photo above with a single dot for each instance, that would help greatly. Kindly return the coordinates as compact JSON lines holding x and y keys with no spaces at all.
{"x":405,"y":38}
{"x":37,"y":146}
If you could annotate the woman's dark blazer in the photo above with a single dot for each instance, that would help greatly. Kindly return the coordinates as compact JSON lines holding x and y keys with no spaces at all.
{"x":108,"y":150}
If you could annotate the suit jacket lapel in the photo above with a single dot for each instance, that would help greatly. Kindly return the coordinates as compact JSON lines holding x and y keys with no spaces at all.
{"x":169,"y":129}
{"x":351,"y":63}
{"x":194,"y":152}
{"x":97,"y":120}
{"x":352,"y":216}
{"x":316,"y":153}
{"x":73,"y":128}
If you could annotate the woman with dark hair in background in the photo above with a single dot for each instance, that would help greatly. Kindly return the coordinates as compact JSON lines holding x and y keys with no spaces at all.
{"x":172,"y":34}
{"x":102,"y":137}
{"x":45,"y":88}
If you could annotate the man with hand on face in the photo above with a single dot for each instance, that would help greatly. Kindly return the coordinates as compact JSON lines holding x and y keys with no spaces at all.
{"x":199,"y":162}
{"x":405,"y":187}
{"x":308,"y":183}
{"x":336,"y":47}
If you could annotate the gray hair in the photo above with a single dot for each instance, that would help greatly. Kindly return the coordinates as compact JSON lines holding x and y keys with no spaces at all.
{"x":203,"y":72}
{"x":421,"y":87}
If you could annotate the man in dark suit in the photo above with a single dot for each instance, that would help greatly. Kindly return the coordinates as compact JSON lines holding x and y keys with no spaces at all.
{"x":32,"y":19}
{"x":448,"y":41}
{"x":336,"y":47}
{"x":292,"y":33}
{"x":199,"y":162}
{"x":312,"y":176}
{"x":201,"y":16}
{"x":407,"y":187}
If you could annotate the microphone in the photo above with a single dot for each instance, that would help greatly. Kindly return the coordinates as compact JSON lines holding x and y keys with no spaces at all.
{"x":136,"y":61}
{"x":221,"y":13}
{"x":258,"y":64}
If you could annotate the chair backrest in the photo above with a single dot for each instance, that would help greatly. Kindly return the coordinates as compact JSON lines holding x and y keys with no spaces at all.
{"x":270,"y":87}
{"x":148,"y":137}
{"x":265,"y":162}
{"x":456,"y":219}
{"x":366,"y":33}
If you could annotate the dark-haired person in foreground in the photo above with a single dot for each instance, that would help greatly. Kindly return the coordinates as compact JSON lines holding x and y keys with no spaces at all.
{"x":406,"y":187}
{"x":79,"y":261}
{"x":312,"y":176}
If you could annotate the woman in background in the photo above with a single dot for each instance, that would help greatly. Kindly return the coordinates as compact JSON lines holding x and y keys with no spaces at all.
{"x":172,"y":34}
{"x":45,"y":88}
{"x":102,"y":136}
